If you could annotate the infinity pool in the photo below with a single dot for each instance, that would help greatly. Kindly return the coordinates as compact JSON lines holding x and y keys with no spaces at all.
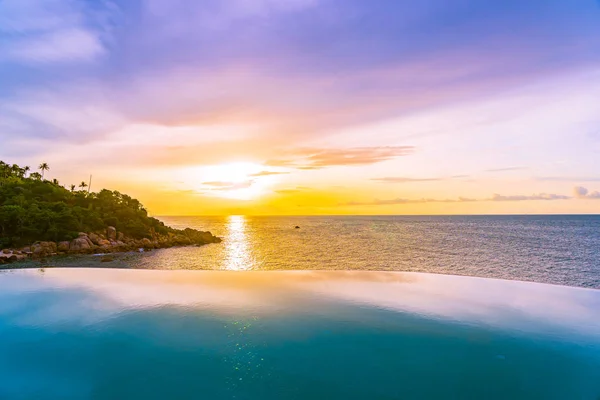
{"x":118,"y":334}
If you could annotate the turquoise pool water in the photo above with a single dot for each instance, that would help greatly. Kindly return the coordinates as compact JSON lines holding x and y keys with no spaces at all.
{"x":118,"y":334}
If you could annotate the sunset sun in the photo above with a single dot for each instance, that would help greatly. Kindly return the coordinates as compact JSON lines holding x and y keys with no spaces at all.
{"x":234,"y":180}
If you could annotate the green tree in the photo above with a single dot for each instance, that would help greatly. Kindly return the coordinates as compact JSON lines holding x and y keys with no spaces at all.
{"x":33,"y":209}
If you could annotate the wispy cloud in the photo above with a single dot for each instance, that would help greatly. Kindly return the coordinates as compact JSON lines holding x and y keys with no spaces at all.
{"x":222,"y":185}
{"x":568,"y":179}
{"x":541,"y":196}
{"x":62,"y":46}
{"x":583,"y":193}
{"x":404,"y":179}
{"x":460,"y":176}
{"x":267,"y":173}
{"x":378,"y":202}
{"x":322,"y":158}
{"x":505,"y":169}
{"x":288,"y":191}
{"x":494,"y":198}
{"x":399,"y":179}
{"x":52,"y":31}
{"x":298,"y":189}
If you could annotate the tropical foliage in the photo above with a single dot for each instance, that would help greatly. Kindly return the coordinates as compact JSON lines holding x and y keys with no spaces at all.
{"x":32,"y":209}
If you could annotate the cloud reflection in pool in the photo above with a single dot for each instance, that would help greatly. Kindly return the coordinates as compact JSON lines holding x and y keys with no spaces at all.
{"x":79,"y":333}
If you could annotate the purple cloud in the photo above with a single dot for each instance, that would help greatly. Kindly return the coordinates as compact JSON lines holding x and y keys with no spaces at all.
{"x":583,"y":193}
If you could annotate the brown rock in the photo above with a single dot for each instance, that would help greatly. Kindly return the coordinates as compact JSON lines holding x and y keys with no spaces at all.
{"x":96,"y":239}
{"x":63,"y":247}
{"x":6,"y":251}
{"x":80,"y":244}
{"x":15,"y":258}
{"x":43,"y":249}
{"x":111,"y":233}
{"x":120,"y":237}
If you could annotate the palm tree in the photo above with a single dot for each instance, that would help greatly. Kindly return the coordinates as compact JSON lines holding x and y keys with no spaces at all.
{"x":3,"y":168}
{"x":55,"y":181}
{"x":36,"y":175}
{"x":73,"y":188}
{"x":26,"y":169}
{"x":15,"y":170}
{"x":43,"y":167}
{"x":82,"y":185}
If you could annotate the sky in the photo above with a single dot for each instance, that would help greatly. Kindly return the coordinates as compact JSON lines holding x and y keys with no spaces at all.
{"x":207,"y":107}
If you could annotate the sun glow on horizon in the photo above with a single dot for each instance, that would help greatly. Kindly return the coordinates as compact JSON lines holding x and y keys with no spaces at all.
{"x":235,"y":180}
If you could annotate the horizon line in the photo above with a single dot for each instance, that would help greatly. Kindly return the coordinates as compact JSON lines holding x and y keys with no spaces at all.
{"x":384,"y":215}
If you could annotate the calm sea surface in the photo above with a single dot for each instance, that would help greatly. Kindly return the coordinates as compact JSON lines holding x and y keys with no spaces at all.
{"x":561,"y":250}
{"x":550,"y":249}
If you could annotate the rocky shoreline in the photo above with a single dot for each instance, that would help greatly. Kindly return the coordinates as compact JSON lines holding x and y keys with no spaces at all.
{"x":109,"y":241}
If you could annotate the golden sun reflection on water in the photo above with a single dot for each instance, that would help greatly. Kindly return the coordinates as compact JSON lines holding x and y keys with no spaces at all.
{"x":237,"y":251}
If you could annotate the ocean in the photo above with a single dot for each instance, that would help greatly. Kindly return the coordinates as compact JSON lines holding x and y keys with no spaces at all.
{"x":563,"y":250}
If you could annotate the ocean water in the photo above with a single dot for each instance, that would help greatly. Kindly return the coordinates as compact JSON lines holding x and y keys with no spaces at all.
{"x":562,"y":250}
{"x":139,"y":334}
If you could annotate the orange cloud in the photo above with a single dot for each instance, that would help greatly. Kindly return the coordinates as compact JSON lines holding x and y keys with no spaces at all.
{"x":267,"y":173}
{"x":321,"y":158}
{"x":219,"y":185}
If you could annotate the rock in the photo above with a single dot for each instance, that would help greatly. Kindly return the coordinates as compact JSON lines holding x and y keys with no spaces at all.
{"x":107,"y":259}
{"x":63,"y":247}
{"x":26,"y":250}
{"x":96,"y":239}
{"x":111,"y":233}
{"x":103,"y":243}
{"x":10,"y":258}
{"x":81,"y":244}
{"x":181,"y":240}
{"x":147,"y":243}
{"x":120,"y":237}
{"x":7,"y":251}
{"x":43,"y":249}
{"x":297,"y":227}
